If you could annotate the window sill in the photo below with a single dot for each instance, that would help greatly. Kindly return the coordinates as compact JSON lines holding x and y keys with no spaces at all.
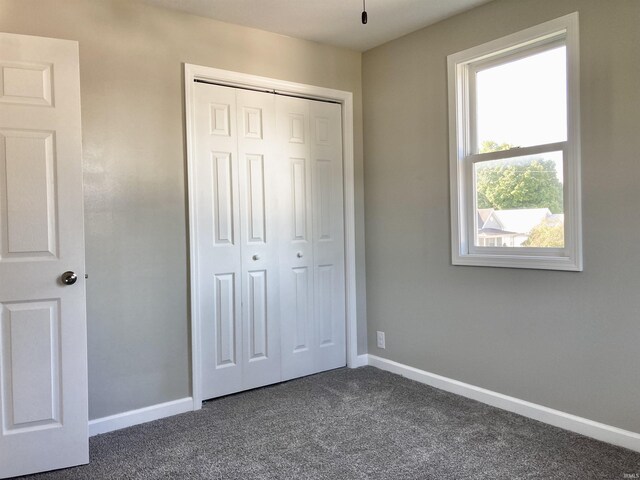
{"x":519,"y":261}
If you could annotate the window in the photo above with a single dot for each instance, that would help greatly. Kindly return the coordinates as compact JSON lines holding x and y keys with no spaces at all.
{"x":515,"y":150}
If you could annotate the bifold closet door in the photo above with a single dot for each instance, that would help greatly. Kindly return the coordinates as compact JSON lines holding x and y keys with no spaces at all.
{"x":310,"y":189}
{"x":237,"y":239}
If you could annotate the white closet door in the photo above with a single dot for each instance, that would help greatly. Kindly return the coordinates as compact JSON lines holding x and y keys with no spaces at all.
{"x":237,"y":239}
{"x":328,"y":235}
{"x":218,"y":224}
{"x":269,"y":217}
{"x":296,"y":239}
{"x":259,"y":239}
{"x":312,"y":241}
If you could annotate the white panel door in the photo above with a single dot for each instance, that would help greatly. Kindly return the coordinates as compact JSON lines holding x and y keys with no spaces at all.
{"x":269,"y":217}
{"x":237,"y":239}
{"x":312,"y":286}
{"x":328,"y":235}
{"x":43,"y":366}
{"x":259,"y":237}
{"x":218,"y":219}
{"x":296,"y":241}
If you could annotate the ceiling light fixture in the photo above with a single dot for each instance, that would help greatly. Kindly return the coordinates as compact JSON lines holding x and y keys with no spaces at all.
{"x":364,"y":12}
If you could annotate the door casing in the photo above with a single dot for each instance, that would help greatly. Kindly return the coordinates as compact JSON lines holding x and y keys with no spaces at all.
{"x":243,"y":80}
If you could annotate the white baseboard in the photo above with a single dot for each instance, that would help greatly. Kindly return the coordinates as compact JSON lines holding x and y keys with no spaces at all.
{"x":142,"y":415}
{"x":360,"y":361}
{"x":567,"y":421}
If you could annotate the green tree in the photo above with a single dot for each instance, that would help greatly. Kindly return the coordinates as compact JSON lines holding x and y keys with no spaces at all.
{"x":546,"y":235}
{"x":491,"y":146}
{"x":518,"y":183}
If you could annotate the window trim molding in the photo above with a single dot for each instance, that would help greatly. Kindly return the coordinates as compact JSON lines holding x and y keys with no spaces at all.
{"x":460,"y":149}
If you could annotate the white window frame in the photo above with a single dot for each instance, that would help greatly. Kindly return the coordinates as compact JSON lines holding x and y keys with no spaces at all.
{"x":462,"y":144}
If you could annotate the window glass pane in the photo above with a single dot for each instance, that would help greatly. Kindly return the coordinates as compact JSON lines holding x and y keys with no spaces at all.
{"x":522,"y":103}
{"x":519,"y":201}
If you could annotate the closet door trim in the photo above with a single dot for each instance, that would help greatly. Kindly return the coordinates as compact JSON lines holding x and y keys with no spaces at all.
{"x":241,"y":80}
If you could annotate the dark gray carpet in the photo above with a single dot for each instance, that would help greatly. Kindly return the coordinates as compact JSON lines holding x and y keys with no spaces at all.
{"x":349,"y":424}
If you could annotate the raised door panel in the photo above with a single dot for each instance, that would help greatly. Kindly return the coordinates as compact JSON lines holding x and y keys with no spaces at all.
{"x":297,"y":125}
{"x":324,"y":210}
{"x":28,"y":200}
{"x":223,"y":211}
{"x":302,"y":314}
{"x":252,"y":122}
{"x":225,"y":320}
{"x":219,"y":119}
{"x":26,"y":83}
{"x":256,"y":209}
{"x":324,"y":301}
{"x":31,"y":368}
{"x":299,"y":201}
{"x":322,"y":131}
{"x":257,"y":315}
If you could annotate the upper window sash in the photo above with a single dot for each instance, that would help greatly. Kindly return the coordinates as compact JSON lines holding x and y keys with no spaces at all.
{"x":508,"y":56}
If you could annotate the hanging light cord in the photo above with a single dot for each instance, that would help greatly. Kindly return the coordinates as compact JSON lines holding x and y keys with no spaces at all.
{"x":364,"y":12}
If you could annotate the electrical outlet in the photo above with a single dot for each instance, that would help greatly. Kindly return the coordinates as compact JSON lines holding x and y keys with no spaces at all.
{"x":380,"y":338}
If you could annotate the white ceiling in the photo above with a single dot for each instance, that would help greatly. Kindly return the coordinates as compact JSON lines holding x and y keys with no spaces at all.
{"x":334,"y":22}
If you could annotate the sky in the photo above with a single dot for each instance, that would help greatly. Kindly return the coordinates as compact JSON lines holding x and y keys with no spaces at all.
{"x":524,"y":103}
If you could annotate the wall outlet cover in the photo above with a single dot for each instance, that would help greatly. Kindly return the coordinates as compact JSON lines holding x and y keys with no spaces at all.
{"x":380,"y":339}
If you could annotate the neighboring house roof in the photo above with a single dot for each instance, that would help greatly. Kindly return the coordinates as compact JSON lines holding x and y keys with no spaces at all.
{"x":555,"y":219}
{"x":496,"y":232}
{"x":483,"y":216}
{"x":522,"y":220}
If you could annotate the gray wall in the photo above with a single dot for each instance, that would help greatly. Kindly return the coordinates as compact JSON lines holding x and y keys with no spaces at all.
{"x":565,"y":340}
{"x":131,"y":59}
